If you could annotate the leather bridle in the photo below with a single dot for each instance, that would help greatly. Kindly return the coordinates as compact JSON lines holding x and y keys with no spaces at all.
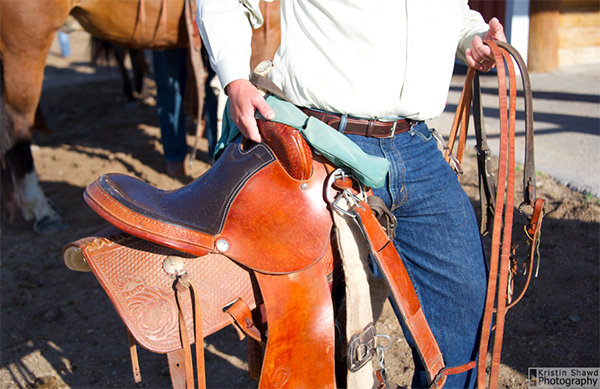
{"x":499,"y":220}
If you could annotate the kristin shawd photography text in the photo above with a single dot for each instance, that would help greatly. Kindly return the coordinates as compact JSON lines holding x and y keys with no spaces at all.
{"x":561,"y":377}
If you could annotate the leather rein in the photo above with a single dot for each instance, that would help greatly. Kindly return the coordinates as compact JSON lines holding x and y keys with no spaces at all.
{"x":499,"y":220}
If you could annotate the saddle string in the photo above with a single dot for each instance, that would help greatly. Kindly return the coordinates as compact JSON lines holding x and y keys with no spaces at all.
{"x":182,"y":285}
{"x":135,"y":364}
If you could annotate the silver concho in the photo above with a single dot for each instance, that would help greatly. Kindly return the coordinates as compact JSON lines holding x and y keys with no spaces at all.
{"x":173,"y":265}
{"x":222,"y":245}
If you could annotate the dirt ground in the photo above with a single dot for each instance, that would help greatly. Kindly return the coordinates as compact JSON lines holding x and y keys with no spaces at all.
{"x":59,"y":329}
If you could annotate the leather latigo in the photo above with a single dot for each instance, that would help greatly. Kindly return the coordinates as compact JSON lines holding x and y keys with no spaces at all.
{"x":402,"y":292}
{"x":131,"y":273}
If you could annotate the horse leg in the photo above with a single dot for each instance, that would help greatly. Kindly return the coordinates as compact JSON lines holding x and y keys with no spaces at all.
{"x":23,"y":61}
{"x":40,"y":124}
{"x":33,"y":202}
{"x":137,"y":66}
{"x":120,"y":56}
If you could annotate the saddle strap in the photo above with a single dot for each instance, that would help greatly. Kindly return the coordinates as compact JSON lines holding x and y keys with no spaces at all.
{"x":242,"y":317}
{"x":404,"y":296}
{"x":267,"y":86}
{"x":182,"y":285}
{"x":135,"y":363}
{"x":177,"y":369}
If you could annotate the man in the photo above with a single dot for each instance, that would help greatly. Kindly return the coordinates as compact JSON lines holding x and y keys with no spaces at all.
{"x":376,"y":70}
{"x":170,"y":75}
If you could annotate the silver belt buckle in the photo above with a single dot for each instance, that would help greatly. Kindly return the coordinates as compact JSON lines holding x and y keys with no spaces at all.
{"x":394,"y":125}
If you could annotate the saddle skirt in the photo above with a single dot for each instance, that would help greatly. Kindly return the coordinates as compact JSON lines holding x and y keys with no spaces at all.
{"x":134,"y":273}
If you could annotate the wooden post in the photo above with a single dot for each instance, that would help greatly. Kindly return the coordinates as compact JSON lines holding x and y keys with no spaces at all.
{"x":543,"y":35}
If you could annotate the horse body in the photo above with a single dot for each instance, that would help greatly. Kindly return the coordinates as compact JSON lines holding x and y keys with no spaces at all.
{"x":151,"y":24}
{"x":27,"y":29}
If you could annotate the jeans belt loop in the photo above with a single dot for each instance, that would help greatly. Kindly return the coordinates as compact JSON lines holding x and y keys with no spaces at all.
{"x":343,"y":122}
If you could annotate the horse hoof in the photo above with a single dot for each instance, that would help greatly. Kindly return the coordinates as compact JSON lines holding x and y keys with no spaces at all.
{"x":49,"y":225}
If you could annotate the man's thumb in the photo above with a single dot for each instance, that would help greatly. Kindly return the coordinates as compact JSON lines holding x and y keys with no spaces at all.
{"x":496,"y":31}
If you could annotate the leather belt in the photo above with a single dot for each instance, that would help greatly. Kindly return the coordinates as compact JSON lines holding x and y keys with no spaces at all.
{"x":365,"y":127}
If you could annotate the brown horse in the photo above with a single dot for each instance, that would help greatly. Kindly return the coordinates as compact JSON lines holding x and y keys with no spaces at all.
{"x":27,"y":29}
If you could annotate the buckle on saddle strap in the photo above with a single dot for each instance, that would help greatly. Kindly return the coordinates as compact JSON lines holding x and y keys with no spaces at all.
{"x":361,"y":348}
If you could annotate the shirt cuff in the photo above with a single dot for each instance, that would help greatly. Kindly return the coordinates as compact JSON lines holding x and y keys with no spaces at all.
{"x":233,"y":67}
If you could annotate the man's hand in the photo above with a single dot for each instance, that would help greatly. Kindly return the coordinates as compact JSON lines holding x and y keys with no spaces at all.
{"x":479,"y":56}
{"x":244,"y":100}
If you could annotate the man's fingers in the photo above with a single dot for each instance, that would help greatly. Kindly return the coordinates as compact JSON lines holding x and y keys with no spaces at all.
{"x":249,"y":129}
{"x":264,"y":109}
{"x":476,"y":54}
{"x":496,"y":31}
{"x":244,"y":101}
{"x":243,"y":117}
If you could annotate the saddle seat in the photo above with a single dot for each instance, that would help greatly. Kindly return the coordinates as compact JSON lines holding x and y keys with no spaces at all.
{"x":251,"y":206}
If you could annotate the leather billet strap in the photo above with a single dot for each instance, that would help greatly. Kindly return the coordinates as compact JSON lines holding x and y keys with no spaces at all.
{"x":498,"y":203}
{"x":135,"y":363}
{"x":404,"y":296}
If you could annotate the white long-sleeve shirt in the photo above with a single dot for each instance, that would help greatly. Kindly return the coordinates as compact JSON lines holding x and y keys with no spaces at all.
{"x":375,"y":58}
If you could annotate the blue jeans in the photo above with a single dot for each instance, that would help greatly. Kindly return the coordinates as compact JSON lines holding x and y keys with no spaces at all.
{"x":65,"y":43}
{"x":170,"y":76}
{"x":210,"y":112}
{"x":438,"y":239}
